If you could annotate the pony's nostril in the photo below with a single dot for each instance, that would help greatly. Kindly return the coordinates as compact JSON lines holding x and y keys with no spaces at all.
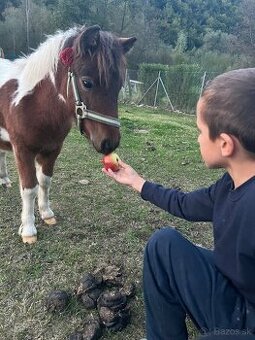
{"x":106,"y":147}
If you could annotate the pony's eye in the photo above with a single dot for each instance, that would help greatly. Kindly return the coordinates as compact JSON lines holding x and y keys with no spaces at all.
{"x":87,"y":83}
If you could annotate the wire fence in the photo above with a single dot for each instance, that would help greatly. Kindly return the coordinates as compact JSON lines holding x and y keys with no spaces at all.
{"x":173,"y":90}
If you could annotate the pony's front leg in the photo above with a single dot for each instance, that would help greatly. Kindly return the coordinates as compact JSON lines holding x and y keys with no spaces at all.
{"x":44,"y":171}
{"x":27,"y":228}
{"x":28,"y":190}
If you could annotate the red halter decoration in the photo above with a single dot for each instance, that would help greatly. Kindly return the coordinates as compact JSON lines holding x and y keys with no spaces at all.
{"x":66,"y":56}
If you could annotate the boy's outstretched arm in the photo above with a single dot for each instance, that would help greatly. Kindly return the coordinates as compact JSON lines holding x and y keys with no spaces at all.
{"x":193,"y":206}
{"x":126,"y":175}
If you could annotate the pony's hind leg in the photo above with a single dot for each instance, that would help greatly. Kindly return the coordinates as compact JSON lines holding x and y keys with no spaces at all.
{"x":44,"y":171}
{"x":4,"y":179}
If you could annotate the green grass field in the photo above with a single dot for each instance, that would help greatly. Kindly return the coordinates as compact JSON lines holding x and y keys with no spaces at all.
{"x":98,"y":223}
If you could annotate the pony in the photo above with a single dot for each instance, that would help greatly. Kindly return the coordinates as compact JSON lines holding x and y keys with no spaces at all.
{"x":74,"y":74}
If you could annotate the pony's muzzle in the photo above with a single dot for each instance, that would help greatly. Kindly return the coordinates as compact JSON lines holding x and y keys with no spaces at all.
{"x":108,"y":146}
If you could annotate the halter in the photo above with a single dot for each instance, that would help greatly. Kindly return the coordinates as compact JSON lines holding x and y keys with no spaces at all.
{"x":81,"y":110}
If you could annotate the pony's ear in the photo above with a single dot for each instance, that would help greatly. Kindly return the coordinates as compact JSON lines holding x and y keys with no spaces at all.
{"x":89,"y":39}
{"x":127,"y":43}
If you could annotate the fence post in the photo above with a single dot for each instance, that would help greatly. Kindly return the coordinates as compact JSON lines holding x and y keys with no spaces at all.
{"x":172,"y":108}
{"x":203,"y":83}
{"x":156,"y":93}
{"x":124,"y":87}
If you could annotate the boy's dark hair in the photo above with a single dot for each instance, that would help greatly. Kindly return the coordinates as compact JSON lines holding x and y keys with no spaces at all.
{"x":230,"y":106}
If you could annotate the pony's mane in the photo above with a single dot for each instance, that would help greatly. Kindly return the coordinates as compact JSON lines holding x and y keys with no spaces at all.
{"x":30,"y":70}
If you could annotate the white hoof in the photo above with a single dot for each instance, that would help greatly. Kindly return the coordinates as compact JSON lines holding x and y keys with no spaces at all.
{"x":28,"y":234}
{"x":29,"y":239}
{"x":46,"y":213}
{"x":50,"y":221}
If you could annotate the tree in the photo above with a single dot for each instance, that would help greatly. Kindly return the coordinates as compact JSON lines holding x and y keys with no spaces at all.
{"x":13,"y":32}
{"x":6,"y":3}
{"x":247,"y":25}
{"x":168,"y":31}
{"x":68,"y":13}
{"x":194,"y":17}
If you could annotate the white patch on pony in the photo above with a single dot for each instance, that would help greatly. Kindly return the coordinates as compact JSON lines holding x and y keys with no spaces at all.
{"x":52,"y":78}
{"x":4,"y":135}
{"x":27,"y":227}
{"x":61,"y":97}
{"x":10,"y":69}
{"x":43,"y":193}
{"x":32,"y":69}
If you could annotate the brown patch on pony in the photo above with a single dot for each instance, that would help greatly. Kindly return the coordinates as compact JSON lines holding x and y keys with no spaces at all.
{"x":6,"y":146}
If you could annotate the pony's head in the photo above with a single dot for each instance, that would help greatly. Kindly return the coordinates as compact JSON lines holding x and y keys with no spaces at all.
{"x":96,"y":60}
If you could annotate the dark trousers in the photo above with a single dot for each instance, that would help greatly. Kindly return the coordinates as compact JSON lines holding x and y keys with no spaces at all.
{"x":181,"y":278}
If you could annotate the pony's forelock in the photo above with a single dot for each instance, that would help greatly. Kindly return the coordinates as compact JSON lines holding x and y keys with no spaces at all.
{"x":107,"y":59}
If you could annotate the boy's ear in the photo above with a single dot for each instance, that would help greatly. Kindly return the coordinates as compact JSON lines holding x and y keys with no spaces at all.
{"x":227,"y":144}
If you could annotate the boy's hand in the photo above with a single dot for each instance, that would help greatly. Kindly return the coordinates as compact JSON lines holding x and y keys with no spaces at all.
{"x":126,"y":175}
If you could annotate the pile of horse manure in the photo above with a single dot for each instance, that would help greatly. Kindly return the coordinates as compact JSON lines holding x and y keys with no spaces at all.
{"x":113,"y":310}
{"x":57,"y":301}
{"x":107,"y":293}
{"x":89,"y":289}
{"x":76,"y":336}
{"x":92,"y":330}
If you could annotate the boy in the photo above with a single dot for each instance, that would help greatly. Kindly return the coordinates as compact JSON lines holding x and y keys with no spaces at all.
{"x":215,"y":288}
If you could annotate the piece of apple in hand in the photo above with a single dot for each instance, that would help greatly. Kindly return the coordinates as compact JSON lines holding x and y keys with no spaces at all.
{"x":111,"y":161}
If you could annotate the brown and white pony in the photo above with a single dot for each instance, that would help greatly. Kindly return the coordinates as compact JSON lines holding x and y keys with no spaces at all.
{"x":74,"y":73}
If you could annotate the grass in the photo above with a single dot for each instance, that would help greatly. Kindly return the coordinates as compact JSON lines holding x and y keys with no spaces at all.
{"x":98,"y":223}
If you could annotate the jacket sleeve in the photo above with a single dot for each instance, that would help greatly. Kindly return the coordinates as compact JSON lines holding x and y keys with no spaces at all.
{"x":194,"y":206}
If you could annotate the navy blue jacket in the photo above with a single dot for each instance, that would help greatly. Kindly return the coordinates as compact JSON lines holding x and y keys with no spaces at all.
{"x":232,"y":213}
